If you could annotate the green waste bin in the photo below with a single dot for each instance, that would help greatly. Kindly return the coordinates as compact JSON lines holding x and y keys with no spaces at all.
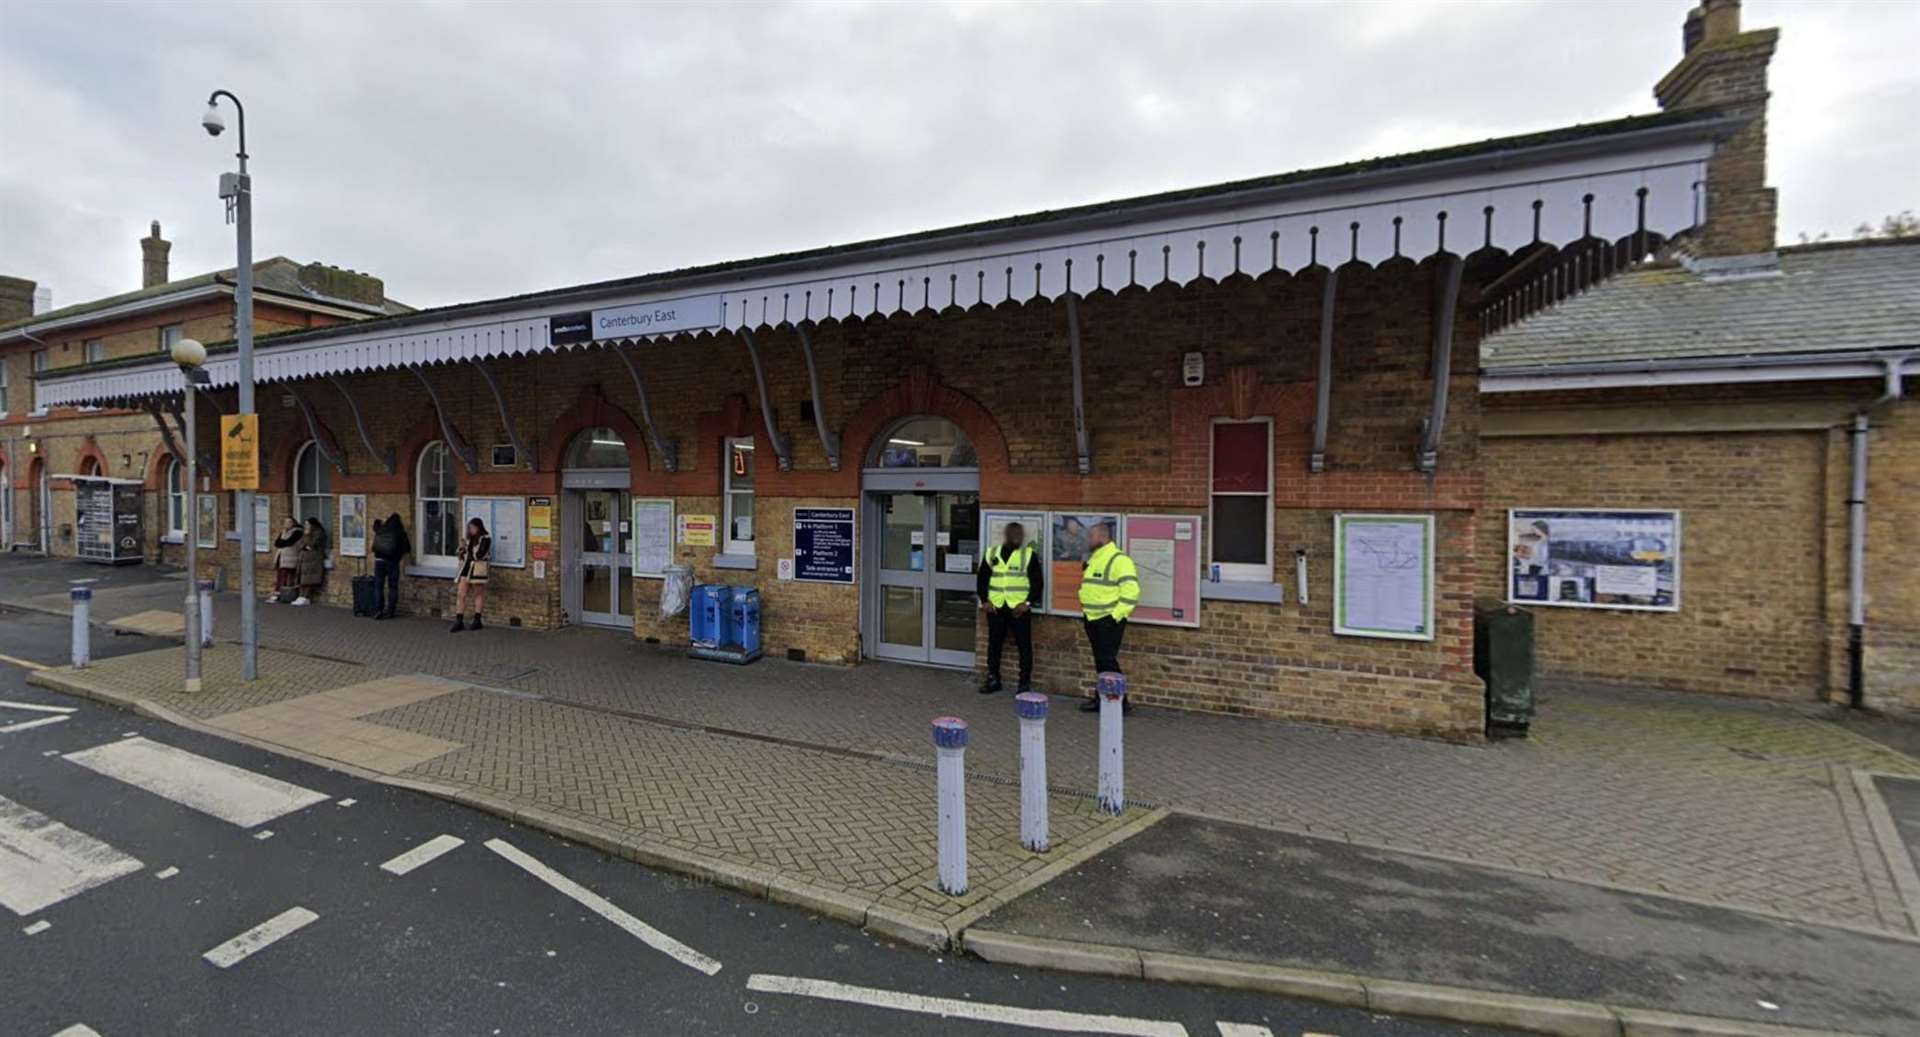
{"x":1503,"y":657}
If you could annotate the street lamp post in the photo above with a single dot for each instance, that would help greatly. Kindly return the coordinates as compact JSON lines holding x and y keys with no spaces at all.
{"x":190,"y":355}
{"x":237,"y":189}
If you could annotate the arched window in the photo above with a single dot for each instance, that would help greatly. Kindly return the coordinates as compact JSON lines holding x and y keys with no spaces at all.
{"x":176,"y":499}
{"x":924,"y":442}
{"x":597,"y":448}
{"x":312,"y":486}
{"x":436,"y":502}
{"x":90,"y":465}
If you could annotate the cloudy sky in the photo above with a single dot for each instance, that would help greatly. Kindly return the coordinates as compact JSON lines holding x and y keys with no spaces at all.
{"x":463,"y":151}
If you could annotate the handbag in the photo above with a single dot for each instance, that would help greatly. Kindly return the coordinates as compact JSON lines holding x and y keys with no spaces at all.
{"x":479,"y":570}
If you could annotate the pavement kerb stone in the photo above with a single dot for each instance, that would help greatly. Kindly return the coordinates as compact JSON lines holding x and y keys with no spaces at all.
{"x":907,"y":927}
{"x":821,"y":900}
{"x":1906,"y":880}
{"x":1644,"y":1022}
{"x":1330,"y":987}
{"x":1065,"y":862}
{"x":1491,"y":1008}
{"x":1617,"y":887}
{"x":1553,"y":1016}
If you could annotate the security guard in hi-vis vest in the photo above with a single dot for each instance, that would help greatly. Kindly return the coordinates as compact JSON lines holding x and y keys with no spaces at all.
{"x":1109,"y":589}
{"x":1008,"y":583}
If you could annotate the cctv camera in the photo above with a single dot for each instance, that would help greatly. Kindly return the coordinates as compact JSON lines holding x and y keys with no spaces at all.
{"x":213,"y":122}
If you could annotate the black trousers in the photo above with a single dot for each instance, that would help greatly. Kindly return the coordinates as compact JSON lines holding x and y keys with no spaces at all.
{"x":1000,"y":622}
{"x":386,"y":586}
{"x":1104,"y":635}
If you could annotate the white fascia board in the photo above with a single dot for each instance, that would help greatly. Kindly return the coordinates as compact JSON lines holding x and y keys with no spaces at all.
{"x":1504,"y":201}
{"x":125,"y":309}
{"x":1731,"y":374}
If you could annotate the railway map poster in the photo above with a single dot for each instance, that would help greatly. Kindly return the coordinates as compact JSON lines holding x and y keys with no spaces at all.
{"x":1383,"y":576}
{"x":1608,"y":559}
{"x":1166,"y":551}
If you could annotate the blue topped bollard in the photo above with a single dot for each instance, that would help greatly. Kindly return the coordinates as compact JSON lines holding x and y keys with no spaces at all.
{"x":1113,"y":786}
{"x":82,"y":605}
{"x":1032,"y":709}
{"x":950,"y":746}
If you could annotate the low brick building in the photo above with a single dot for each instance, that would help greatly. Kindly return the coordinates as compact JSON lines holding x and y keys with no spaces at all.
{"x":1270,"y":388}
{"x":41,"y":445}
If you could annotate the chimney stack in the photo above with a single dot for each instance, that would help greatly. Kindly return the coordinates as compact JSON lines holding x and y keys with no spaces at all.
{"x":16,"y":299}
{"x":153,"y":258}
{"x":1725,"y":68}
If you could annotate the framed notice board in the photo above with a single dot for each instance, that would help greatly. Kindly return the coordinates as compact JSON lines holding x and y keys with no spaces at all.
{"x":1033,"y":525}
{"x":1067,"y":548}
{"x":1383,"y":576}
{"x":1166,"y":551}
{"x":823,"y":545}
{"x":652,"y":536}
{"x":506,"y":519}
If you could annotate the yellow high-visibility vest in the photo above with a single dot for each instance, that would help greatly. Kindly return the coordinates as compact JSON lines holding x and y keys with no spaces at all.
{"x":1110,"y":585}
{"x":1007,"y":583}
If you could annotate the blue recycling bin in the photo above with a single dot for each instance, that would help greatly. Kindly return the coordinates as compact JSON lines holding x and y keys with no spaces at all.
{"x":743,"y":620}
{"x":707,"y":615}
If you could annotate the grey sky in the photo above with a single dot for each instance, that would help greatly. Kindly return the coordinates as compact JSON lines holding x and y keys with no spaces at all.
{"x":468,"y":151}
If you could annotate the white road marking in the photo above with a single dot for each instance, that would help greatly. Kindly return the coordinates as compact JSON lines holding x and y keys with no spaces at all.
{"x":227,"y":792}
{"x":260,"y":937}
{"x":166,"y":873}
{"x":601,"y":906}
{"x":78,"y":1030}
{"x":953,"y":1008}
{"x":26,"y":664}
{"x":25,"y":724}
{"x":38,"y":927}
{"x":51,"y":752}
{"x":1243,"y":1030}
{"x":263,"y":834}
{"x":43,"y":862}
{"x":35,"y":707}
{"x":348,"y":802}
{"x":422,"y":854}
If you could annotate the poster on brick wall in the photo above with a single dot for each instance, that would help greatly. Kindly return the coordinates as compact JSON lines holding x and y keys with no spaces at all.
{"x":1166,"y":551}
{"x":1068,"y":546}
{"x":1594,"y":558}
{"x":1033,"y":533}
{"x":1383,"y":576}
{"x":353,"y":525}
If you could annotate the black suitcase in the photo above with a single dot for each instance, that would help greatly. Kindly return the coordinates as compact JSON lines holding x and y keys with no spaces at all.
{"x":365,"y":589}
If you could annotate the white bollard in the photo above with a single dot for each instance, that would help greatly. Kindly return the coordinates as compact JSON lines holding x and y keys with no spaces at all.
{"x":1032,"y":707}
{"x":206,"y":613}
{"x":82,"y":605}
{"x":950,"y":744}
{"x":1113,"y":775}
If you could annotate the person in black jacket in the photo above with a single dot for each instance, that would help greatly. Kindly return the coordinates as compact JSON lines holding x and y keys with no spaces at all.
{"x":390,"y":549}
{"x":1008,"y":584}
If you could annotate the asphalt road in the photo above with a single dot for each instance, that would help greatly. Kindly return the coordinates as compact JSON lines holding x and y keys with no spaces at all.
{"x":475,"y":940}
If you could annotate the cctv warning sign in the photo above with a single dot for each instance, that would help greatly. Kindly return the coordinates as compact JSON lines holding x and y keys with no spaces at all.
{"x":240,"y":451}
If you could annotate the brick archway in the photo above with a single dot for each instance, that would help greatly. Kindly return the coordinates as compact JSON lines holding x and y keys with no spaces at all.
{"x":89,"y":448}
{"x":921,"y":393}
{"x":593,"y":410}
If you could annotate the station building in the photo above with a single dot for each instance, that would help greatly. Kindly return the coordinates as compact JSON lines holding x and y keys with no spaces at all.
{"x":1228,"y":372}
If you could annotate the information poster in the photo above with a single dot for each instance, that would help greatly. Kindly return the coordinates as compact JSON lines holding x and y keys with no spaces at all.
{"x":1033,"y":526}
{"x":353,"y":525}
{"x":697,"y":530}
{"x":1383,"y":576}
{"x":540,"y":520}
{"x":506,"y":519}
{"x":207,"y":521}
{"x":652,"y":536}
{"x":823,"y":545}
{"x":1067,"y":549}
{"x":1166,"y":551}
{"x":262,"y":524}
{"x":1613,"y":559}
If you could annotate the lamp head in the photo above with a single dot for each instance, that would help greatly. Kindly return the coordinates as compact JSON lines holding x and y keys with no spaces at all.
{"x":213,"y":122}
{"x":189,"y":353}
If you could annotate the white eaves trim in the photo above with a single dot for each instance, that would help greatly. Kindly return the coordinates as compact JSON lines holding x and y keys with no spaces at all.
{"x":171,"y":299}
{"x":1730,"y":371}
{"x":1507,"y":205}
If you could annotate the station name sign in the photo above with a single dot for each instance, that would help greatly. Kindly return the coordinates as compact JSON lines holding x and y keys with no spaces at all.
{"x":665,"y":317}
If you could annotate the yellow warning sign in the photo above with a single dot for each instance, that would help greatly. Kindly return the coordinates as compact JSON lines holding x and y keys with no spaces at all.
{"x":240,"y":451}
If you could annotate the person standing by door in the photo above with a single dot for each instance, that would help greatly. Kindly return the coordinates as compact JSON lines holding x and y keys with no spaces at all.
{"x":1008,"y":583}
{"x":474,"y":553}
{"x":1109,"y":589}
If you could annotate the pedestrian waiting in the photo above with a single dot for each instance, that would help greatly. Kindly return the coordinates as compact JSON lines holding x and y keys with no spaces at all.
{"x":390,"y":549}
{"x":474,"y":552}
{"x":286,"y":562}
{"x":313,"y":561}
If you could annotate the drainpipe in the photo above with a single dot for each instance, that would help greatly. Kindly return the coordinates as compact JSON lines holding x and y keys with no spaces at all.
{"x":1857,"y":538}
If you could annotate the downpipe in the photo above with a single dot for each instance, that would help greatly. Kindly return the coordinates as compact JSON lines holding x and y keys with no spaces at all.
{"x":1857,"y":536}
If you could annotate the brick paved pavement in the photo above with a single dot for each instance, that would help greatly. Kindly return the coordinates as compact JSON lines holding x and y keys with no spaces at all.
{"x":1716,"y":799}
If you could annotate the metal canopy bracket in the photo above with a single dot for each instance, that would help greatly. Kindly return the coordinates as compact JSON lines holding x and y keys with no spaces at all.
{"x":829,"y":441}
{"x":455,"y":441}
{"x":321,"y":434}
{"x":1323,"y":391}
{"x":664,"y":448}
{"x":175,"y":408}
{"x":1428,"y":458}
{"x":385,"y":457}
{"x":1079,"y":386}
{"x":506,"y":420}
{"x":782,"y":447}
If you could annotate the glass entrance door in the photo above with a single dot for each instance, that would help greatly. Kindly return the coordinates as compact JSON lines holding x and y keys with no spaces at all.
{"x":925,"y":604}
{"x":606,"y":560}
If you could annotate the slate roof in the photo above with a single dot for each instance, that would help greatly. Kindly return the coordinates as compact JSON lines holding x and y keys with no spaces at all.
{"x":1829,"y":297}
{"x":278,"y":275}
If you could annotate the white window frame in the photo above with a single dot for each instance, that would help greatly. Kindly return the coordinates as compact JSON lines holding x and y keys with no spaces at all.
{"x":169,"y":334}
{"x":727,"y":447}
{"x":174,"y":494}
{"x":38,"y":362}
{"x":94,"y":351}
{"x":448,"y":563}
{"x":324,"y":496}
{"x":4,"y":387}
{"x":1241,"y":572}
